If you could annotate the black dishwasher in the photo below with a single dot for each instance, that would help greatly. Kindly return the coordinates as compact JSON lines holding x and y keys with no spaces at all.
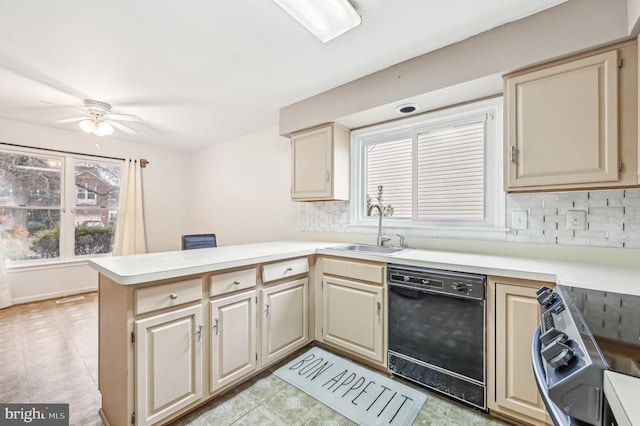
{"x":437,"y":330}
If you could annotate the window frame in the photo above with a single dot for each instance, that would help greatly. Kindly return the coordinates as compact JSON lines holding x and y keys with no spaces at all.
{"x":410,"y":127}
{"x":67,"y":206}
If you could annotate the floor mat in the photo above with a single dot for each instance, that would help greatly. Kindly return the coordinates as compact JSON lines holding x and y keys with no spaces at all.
{"x":363,"y":396}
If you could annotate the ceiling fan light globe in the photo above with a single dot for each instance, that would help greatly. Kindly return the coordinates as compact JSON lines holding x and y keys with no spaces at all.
{"x":103,"y":129}
{"x":87,"y":126}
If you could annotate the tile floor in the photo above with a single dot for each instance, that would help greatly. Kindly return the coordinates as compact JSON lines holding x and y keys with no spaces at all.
{"x":49,"y":353}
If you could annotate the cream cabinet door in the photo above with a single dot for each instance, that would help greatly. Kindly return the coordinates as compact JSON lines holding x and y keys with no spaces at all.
{"x":168,"y":363}
{"x":516,"y":319}
{"x":562,"y":124}
{"x":233,"y":338}
{"x":285,"y":324}
{"x":353,"y":316}
{"x":320,"y":164}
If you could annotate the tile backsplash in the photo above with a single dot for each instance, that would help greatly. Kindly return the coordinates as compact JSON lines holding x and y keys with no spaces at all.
{"x":612,"y":217}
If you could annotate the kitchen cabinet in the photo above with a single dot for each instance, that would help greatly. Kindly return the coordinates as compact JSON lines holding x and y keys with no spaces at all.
{"x":513,"y":316}
{"x":168,"y":360}
{"x":353,"y":308}
{"x":150,"y":349}
{"x":320,"y":164}
{"x":571,"y":124}
{"x":285,"y":319}
{"x":233,"y":327}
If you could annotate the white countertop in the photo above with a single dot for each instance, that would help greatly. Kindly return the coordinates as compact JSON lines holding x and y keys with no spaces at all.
{"x":141,"y":268}
{"x":622,"y":394}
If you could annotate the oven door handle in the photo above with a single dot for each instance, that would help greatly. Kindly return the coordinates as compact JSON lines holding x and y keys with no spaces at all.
{"x":557,"y":416}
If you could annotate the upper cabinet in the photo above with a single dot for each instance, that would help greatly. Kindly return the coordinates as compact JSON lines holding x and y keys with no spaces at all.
{"x":572,"y":124}
{"x":320,"y":164}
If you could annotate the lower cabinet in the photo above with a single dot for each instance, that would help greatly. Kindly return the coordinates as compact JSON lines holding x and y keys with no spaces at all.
{"x":233,"y":338}
{"x":352,"y":308}
{"x":285,"y":325}
{"x":352,"y":317}
{"x":168,"y":363}
{"x":514,"y":317}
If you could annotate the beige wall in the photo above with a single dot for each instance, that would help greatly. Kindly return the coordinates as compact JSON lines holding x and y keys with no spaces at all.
{"x":633,"y":16}
{"x":240,"y":190}
{"x":165,"y":180}
{"x":568,"y":28}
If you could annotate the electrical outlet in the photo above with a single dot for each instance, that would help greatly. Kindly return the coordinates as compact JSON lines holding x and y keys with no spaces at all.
{"x":576,"y":220}
{"x":519,"y":219}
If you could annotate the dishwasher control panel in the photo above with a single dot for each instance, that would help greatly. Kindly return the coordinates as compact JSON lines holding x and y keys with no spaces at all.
{"x":440,"y":281}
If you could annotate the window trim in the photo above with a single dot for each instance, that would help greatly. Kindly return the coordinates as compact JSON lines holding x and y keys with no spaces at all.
{"x":493,"y":226}
{"x":67,"y":207}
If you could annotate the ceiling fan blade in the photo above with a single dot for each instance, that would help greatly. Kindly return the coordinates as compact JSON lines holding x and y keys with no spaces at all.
{"x":70,"y":109}
{"x":122,"y":127}
{"x":123,"y":117}
{"x":70,"y":120}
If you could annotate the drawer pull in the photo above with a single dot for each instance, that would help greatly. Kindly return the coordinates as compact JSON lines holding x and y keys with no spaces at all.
{"x":236,"y":282}
{"x":289,"y":269}
{"x":173,"y":296}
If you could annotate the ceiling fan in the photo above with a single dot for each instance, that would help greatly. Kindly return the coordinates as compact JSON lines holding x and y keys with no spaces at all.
{"x":98,"y":119}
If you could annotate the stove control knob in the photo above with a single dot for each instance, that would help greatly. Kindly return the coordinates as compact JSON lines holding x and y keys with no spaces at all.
{"x":545,"y":296}
{"x":551,"y":335}
{"x":557,"y":354}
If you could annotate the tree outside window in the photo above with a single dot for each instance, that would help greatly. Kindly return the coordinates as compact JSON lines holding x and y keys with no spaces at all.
{"x":32,"y":214}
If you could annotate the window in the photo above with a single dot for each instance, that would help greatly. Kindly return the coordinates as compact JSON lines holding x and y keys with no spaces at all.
{"x":437,"y":171}
{"x":56,"y":207}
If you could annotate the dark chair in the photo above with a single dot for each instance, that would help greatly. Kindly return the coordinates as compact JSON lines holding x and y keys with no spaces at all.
{"x":197,"y":241}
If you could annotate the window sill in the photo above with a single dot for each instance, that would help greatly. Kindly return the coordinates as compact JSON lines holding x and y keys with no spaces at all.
{"x":38,"y":266}
{"x":463,"y":233}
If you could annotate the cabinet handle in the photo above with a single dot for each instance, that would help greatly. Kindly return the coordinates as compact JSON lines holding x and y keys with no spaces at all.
{"x":328,"y":176}
{"x":216,"y":326}
{"x":173,"y":296}
{"x":289,"y":269}
{"x":199,"y":332}
{"x":512,"y":153}
{"x":266,"y":311}
{"x":378,"y":307}
{"x":236,"y":282}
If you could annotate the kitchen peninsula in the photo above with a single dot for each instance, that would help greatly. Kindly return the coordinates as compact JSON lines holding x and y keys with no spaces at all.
{"x":164,"y":316}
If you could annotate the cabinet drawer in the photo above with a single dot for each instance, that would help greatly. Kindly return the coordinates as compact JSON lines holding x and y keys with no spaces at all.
{"x":166,"y":295}
{"x":232,"y":281}
{"x":357,"y":270}
{"x":287,"y":268}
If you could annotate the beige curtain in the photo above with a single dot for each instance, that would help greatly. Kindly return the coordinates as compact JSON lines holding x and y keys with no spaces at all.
{"x":130,"y":233}
{"x":5,"y":290}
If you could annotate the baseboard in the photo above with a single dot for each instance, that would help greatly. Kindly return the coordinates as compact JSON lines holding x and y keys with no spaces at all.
{"x":52,"y":295}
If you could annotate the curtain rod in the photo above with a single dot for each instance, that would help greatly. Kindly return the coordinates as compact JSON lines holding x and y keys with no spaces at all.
{"x":143,"y":162}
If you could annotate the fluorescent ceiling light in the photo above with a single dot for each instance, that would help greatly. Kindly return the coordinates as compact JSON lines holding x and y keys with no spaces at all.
{"x":326,"y":19}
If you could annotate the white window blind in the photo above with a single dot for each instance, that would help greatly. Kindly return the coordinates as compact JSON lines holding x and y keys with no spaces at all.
{"x":451,"y":173}
{"x":390,"y":164}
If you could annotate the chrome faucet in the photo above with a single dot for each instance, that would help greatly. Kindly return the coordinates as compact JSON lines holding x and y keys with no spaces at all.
{"x":381,"y":238}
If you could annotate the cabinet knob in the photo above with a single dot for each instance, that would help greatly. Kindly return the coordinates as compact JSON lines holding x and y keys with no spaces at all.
{"x":173,"y":296}
{"x":236,"y":282}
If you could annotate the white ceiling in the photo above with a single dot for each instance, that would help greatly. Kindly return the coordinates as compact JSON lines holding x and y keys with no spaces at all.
{"x":200,"y":72}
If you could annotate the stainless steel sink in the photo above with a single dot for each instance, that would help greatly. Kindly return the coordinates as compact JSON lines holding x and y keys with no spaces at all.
{"x":368,"y":248}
